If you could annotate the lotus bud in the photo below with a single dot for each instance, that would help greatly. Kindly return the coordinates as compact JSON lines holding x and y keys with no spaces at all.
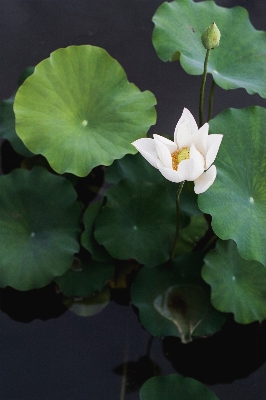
{"x":211,"y":37}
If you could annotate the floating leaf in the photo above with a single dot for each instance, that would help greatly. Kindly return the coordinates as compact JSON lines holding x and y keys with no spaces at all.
{"x":39,"y":228}
{"x":238,"y":286}
{"x":79,"y":110}
{"x":177,"y":35}
{"x":136,"y":168}
{"x":85,"y":277}
{"x":137,"y":221}
{"x":237,"y":199}
{"x":175,"y":387}
{"x":88,"y":241}
{"x":189,"y":235}
{"x":173,"y":300}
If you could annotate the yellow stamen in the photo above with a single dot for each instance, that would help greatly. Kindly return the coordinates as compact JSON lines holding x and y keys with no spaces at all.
{"x":178,"y":156}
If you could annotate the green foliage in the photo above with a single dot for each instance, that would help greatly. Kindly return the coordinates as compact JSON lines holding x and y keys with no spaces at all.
{"x":137,"y":221}
{"x":191,"y":234}
{"x":7,"y":120}
{"x":136,"y":168}
{"x":237,"y":199}
{"x":238,"y":62}
{"x":238,"y":286}
{"x":39,"y":228}
{"x":79,"y":110}
{"x":173,"y":300}
{"x":175,"y":387}
{"x":88,"y":241}
{"x":85,"y":277}
{"x":7,"y":127}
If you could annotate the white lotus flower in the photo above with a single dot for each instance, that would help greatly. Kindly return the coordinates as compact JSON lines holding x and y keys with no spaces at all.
{"x":186,"y":158}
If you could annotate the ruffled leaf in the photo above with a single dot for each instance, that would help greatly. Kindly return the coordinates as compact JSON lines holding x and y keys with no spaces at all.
{"x":238,"y":286}
{"x":237,"y":199}
{"x":39,"y":228}
{"x":177,"y":36}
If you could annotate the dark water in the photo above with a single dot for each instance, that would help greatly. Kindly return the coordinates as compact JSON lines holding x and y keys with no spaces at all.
{"x":70,"y":357}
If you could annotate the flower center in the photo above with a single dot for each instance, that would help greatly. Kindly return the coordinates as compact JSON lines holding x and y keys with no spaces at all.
{"x":178,"y":156}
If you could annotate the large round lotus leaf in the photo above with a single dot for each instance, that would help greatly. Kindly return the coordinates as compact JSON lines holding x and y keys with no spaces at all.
{"x":239,"y":60}
{"x":85,"y":277}
{"x":237,"y":199}
{"x":175,"y":387}
{"x":79,"y":110}
{"x":136,"y":168}
{"x":137,"y":221}
{"x":173,"y":300}
{"x":238,"y":285}
{"x":39,"y":228}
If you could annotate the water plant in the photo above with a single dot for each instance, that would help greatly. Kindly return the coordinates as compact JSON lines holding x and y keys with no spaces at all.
{"x":185,"y":236}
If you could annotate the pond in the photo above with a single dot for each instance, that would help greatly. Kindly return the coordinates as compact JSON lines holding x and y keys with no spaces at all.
{"x":50,"y":353}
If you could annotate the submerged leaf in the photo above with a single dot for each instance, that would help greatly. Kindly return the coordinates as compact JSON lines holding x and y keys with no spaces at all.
{"x":185,"y":306}
{"x":173,"y":300}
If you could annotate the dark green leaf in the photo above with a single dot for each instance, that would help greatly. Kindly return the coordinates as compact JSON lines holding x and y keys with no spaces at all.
{"x":175,"y":387}
{"x":173,"y":300}
{"x":39,"y":228}
{"x":85,"y":277}
{"x":88,"y":241}
{"x":238,"y":286}
{"x":137,"y":221}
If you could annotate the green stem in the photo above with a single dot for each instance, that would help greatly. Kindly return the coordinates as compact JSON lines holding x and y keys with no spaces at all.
{"x":177,"y":219}
{"x":211,"y":100}
{"x":203,"y":88}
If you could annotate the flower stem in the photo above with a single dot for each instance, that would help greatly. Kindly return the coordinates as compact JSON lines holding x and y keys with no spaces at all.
{"x":211,"y":100}
{"x":203,"y":88}
{"x":177,"y":227}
